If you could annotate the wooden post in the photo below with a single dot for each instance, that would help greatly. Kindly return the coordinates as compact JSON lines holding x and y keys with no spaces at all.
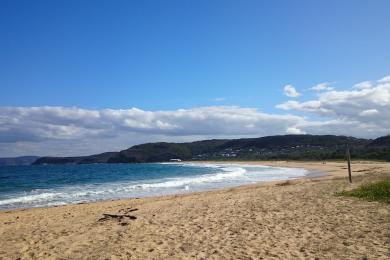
{"x":349,"y":165}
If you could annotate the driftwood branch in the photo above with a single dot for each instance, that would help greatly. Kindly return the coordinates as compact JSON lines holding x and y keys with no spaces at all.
{"x":128,"y":210}
{"x":107,"y":216}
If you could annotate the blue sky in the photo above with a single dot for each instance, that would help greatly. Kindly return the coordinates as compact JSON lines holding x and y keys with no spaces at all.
{"x":171,"y":55}
{"x":179,"y":54}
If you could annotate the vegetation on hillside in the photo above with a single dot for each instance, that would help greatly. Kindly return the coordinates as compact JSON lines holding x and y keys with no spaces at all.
{"x":284,"y":147}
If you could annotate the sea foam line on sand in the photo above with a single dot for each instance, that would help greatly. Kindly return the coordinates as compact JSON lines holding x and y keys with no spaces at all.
{"x":229,"y":175}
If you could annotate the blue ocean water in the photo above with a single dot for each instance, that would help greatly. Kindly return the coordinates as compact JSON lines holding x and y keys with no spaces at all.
{"x":49,"y":185}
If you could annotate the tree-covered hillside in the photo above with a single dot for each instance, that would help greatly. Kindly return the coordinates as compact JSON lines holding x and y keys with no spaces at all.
{"x":284,"y":147}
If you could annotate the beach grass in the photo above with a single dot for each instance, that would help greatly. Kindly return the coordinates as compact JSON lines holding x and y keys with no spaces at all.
{"x":375,"y":191}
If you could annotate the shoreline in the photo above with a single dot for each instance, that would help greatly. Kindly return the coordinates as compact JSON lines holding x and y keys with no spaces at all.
{"x":306,"y":165}
{"x":296,"y":218}
{"x":311,"y":166}
{"x":310,"y":174}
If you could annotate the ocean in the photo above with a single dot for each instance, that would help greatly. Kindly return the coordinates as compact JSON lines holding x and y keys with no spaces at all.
{"x":50,"y":185}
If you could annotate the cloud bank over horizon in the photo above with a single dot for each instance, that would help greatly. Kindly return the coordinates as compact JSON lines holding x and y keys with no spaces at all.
{"x":361,"y":111}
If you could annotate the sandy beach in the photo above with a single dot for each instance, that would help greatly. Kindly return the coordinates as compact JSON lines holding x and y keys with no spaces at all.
{"x":295,"y":219}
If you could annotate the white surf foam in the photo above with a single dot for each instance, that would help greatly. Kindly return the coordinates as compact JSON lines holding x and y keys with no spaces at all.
{"x":228,"y":175}
{"x":43,"y":197}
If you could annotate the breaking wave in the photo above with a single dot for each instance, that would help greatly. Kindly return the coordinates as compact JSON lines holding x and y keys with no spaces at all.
{"x":208,"y":176}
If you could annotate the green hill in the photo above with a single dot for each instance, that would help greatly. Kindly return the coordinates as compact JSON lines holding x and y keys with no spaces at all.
{"x":283,"y":147}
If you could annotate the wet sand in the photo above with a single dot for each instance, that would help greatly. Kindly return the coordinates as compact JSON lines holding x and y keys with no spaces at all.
{"x":295,"y":219}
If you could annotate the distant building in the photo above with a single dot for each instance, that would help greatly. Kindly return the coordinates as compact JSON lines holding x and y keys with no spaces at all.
{"x":175,"y":160}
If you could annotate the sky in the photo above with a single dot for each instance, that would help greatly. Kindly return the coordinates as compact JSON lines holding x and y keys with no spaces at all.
{"x":83,"y":77}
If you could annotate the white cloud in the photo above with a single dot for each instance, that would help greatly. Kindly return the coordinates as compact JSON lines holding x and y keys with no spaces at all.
{"x":384,"y":79}
{"x":322,"y":87}
{"x":363,"y":85}
{"x":294,"y":131}
{"x":361,"y":112}
{"x":308,"y":106}
{"x":369,"y":112}
{"x":48,"y":125}
{"x":290,"y":91}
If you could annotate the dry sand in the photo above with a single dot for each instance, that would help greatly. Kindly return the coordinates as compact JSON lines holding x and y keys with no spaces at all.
{"x":300,"y":219}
